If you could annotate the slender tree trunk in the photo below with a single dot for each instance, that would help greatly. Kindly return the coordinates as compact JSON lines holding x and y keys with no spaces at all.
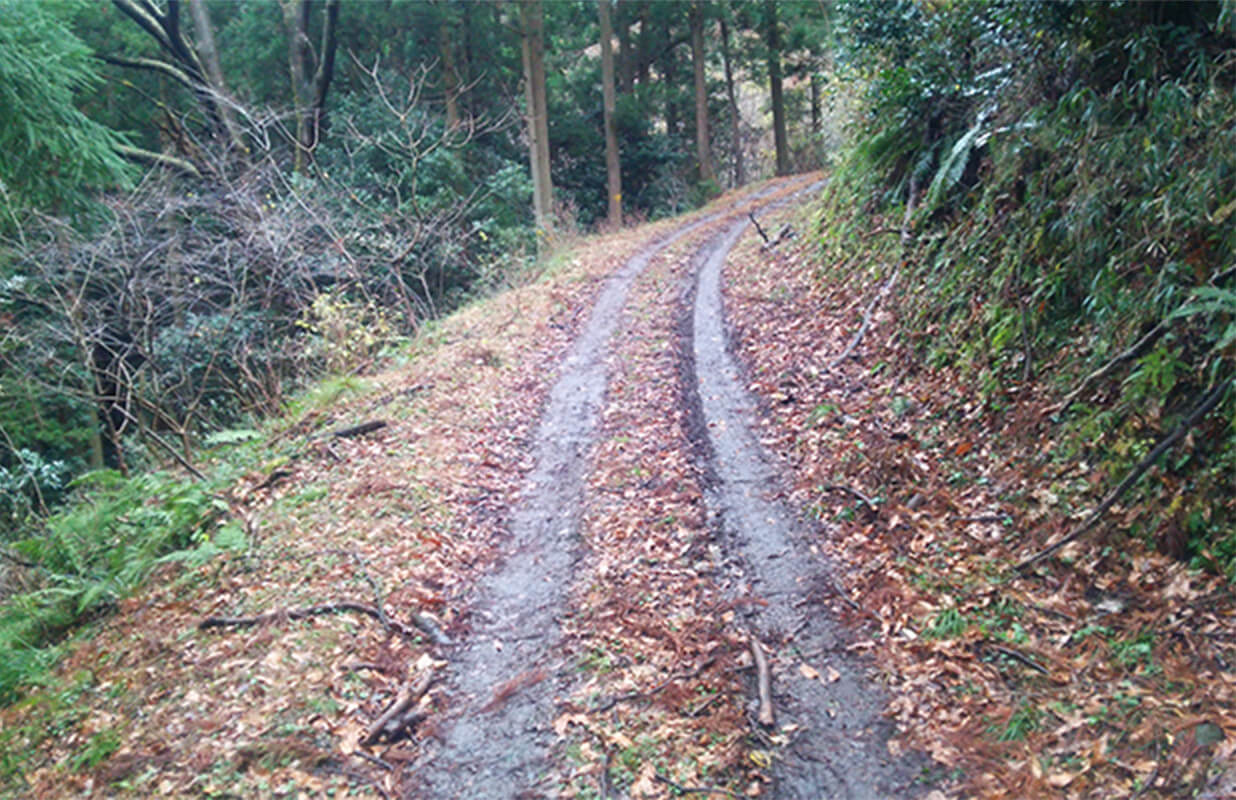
{"x":532,"y":36}
{"x":703,"y":147}
{"x":296,"y":25}
{"x":740,"y":176}
{"x":816,"y":114}
{"x":450,"y":75}
{"x":209,"y":54}
{"x":626,"y":62}
{"x":644,"y":53}
{"x":184,"y":65}
{"x":309,"y":86}
{"x":773,"y":41}
{"x":613,"y":168}
{"x":669,"y":72}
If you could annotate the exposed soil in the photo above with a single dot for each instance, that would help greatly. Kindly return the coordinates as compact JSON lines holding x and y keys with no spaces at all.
{"x":512,"y":665}
{"x":828,"y":707}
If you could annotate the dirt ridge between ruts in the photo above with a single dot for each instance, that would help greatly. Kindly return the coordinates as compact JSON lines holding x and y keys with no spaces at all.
{"x":508,"y":669}
{"x":833,"y":740}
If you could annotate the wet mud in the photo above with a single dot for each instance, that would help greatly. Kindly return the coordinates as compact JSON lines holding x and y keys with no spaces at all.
{"x":505,"y":675}
{"x":837,"y":740}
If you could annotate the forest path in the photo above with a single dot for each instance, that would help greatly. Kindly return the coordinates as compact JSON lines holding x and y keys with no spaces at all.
{"x":509,"y":675}
{"x":498,"y":743}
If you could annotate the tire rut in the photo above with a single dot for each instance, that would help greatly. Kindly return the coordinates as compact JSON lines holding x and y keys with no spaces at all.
{"x":505,"y":676}
{"x":837,"y":737}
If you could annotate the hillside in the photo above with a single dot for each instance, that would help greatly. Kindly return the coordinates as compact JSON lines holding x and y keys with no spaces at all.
{"x":533,"y":554}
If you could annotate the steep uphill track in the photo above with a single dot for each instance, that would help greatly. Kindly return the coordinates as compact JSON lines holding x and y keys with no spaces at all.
{"x":507,"y":672}
{"x":837,"y":739}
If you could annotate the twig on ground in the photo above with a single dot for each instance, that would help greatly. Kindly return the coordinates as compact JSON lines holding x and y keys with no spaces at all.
{"x":271,"y":479}
{"x":510,"y":687}
{"x":320,"y":609}
{"x":855,"y":493}
{"x":393,"y":719}
{"x":985,"y":518}
{"x":764,"y":682}
{"x":678,"y":787}
{"x":377,"y":762}
{"x":862,"y":330}
{"x":1203,"y":408}
{"x":1017,"y":656}
{"x":1135,"y":350}
{"x":603,"y":779}
{"x":756,"y":223}
{"x":681,"y":676}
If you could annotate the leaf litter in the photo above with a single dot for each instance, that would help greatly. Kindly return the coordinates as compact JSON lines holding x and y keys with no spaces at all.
{"x":1106,"y":674}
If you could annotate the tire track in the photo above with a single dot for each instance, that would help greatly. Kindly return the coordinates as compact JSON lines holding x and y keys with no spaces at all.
{"x":837,"y":739}
{"x":505,"y":675}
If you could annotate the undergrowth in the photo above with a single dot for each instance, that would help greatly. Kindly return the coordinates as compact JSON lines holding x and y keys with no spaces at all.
{"x":1071,"y":175}
{"x":96,"y":551}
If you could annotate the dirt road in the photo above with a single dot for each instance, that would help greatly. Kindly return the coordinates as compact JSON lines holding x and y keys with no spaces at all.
{"x":512,"y":673}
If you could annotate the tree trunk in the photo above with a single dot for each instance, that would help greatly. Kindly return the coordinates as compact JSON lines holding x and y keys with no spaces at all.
{"x":773,"y":41}
{"x":669,"y":73}
{"x":816,"y":111}
{"x":644,"y":54}
{"x":184,"y":66}
{"x":309,"y":92}
{"x":209,"y":54}
{"x":613,"y":168}
{"x":532,"y":36}
{"x":703,"y":146}
{"x":735,"y":118}
{"x":626,"y":63}
{"x":450,"y":75}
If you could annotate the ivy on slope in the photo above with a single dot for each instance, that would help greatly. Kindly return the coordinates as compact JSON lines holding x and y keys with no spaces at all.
{"x":1065,"y":179}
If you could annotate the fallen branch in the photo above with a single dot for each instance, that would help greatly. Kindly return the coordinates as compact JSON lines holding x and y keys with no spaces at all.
{"x":1017,"y":656}
{"x":271,"y":479}
{"x":1137,"y":349}
{"x":756,"y":223}
{"x":862,"y":330}
{"x":623,"y":698}
{"x":360,"y":430}
{"x":1203,"y":408}
{"x":678,"y":787}
{"x":764,"y":682}
{"x":397,"y":716}
{"x":510,"y":687}
{"x":418,"y":627}
{"x":837,"y":487}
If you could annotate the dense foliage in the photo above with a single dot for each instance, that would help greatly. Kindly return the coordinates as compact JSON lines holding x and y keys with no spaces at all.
{"x":1070,"y":176}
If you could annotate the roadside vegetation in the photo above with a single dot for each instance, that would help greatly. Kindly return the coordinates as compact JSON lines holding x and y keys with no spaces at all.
{"x":1003,"y":371}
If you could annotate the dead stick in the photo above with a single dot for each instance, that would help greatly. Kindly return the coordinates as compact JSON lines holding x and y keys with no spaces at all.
{"x":1136,"y":349}
{"x":678,"y":787}
{"x":1018,"y":656}
{"x":360,"y":430}
{"x":409,"y":694}
{"x":764,"y":681}
{"x":622,"y":698}
{"x":837,"y":487}
{"x":862,"y":330}
{"x":319,"y":610}
{"x":756,"y":222}
{"x":1203,"y":408}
